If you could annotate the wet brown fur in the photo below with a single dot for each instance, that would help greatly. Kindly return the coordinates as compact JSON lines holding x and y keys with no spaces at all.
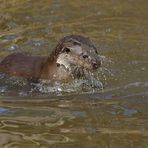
{"x":36,"y":67}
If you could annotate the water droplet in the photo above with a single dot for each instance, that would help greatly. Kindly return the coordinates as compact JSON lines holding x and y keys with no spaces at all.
{"x":13,"y":47}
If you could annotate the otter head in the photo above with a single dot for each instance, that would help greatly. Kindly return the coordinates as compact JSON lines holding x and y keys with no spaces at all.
{"x":77,"y":52}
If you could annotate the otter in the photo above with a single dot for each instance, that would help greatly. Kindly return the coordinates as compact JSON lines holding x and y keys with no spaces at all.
{"x":73,"y":55}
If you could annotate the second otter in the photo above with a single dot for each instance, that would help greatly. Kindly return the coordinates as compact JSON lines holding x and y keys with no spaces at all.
{"x":72,"y":56}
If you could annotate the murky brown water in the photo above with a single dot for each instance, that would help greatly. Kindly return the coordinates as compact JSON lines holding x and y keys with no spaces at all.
{"x":115,"y":117}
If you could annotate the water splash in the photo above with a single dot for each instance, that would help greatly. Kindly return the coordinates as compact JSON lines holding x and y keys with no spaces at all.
{"x":75,"y":86}
{"x":89,"y":83}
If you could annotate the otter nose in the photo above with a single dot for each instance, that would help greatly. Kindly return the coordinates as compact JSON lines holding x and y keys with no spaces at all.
{"x":96,"y":64}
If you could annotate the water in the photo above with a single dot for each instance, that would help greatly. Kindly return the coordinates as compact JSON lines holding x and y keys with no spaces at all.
{"x":74,"y":115}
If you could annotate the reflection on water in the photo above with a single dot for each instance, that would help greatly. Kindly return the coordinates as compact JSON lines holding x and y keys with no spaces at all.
{"x":77,"y":114}
{"x":74,"y":121}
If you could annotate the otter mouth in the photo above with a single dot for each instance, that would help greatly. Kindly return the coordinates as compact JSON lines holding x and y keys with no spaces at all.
{"x":74,"y":70}
{"x":97,"y":65}
{"x":78,"y":71}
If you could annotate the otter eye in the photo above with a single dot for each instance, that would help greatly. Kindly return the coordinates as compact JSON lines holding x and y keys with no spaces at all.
{"x":85,"y":56}
{"x":67,"y":50}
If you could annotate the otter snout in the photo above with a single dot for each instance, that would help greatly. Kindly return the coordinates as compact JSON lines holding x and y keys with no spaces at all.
{"x":96,"y":65}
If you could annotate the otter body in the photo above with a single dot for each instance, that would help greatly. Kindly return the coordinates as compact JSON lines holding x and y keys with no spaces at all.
{"x":71,"y":57}
{"x":21,"y":64}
